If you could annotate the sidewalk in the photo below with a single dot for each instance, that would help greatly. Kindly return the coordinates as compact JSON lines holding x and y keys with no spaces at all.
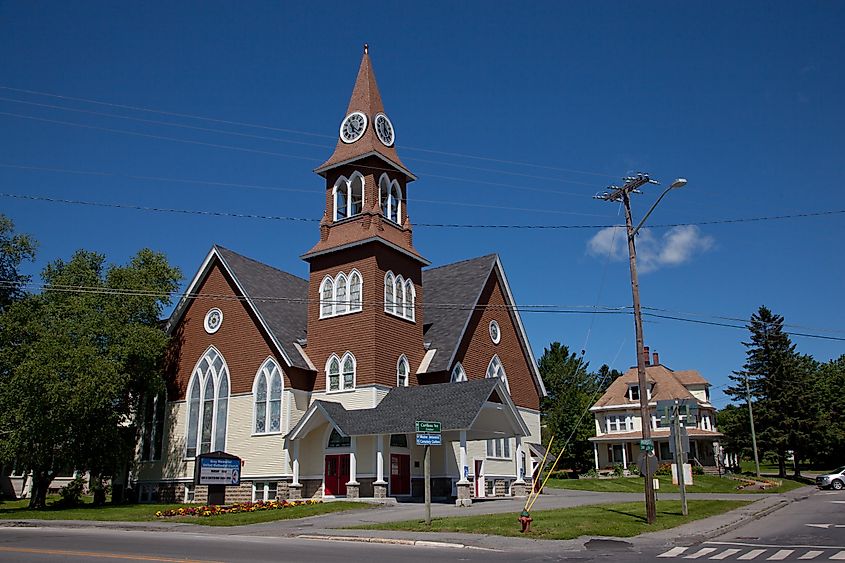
{"x":331,"y":526}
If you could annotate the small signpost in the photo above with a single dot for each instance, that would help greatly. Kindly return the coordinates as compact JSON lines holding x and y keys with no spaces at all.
{"x":678,"y":414}
{"x":428,"y":434}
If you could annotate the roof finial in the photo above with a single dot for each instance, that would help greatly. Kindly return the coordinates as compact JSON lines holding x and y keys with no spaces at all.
{"x":366,"y":48}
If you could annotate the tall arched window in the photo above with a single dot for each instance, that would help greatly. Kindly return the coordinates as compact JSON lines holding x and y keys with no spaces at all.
{"x":348,"y":371}
{"x":458,"y":373}
{"x":410,"y":296}
{"x":390,"y":199}
{"x":348,"y":196}
{"x":496,"y":369}
{"x":399,"y":286}
{"x":327,"y":297}
{"x":333,"y":373}
{"x":340,"y":372}
{"x":389,"y":295}
{"x":355,"y":286}
{"x":208,"y":401}
{"x":402,"y":371}
{"x":340,"y":299}
{"x":268,"y":398}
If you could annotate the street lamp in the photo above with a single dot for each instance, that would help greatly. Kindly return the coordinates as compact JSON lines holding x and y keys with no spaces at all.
{"x":632,"y":185}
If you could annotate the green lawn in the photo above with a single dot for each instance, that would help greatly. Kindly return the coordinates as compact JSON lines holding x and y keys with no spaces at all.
{"x":15,"y":510}
{"x":702,"y":484}
{"x":617,"y":520}
{"x":766,"y":468}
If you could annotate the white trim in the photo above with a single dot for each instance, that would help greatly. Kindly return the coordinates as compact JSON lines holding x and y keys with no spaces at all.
{"x":426,"y":361}
{"x":341,"y":379}
{"x":501,"y":366}
{"x":334,"y":302}
{"x":498,"y":337}
{"x":207,"y":321}
{"x":203,"y":381}
{"x":461,"y":371}
{"x":398,"y":305}
{"x":322,"y":169}
{"x":267,"y":366}
{"x":361,"y":242}
{"x":387,"y":213}
{"x":392,"y":129}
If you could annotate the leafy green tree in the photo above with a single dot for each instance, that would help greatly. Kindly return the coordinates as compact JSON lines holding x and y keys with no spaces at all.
{"x":76,"y":362}
{"x":733,"y":422}
{"x":14,"y":249}
{"x":572,"y":389}
{"x":829,"y":436}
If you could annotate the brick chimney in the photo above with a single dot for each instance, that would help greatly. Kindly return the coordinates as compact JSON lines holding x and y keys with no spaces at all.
{"x":645,"y":354}
{"x":655,"y":359}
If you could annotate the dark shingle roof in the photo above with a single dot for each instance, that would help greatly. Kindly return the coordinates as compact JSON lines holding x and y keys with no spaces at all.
{"x":286,"y":317}
{"x":458,"y":283}
{"x":455,"y":405}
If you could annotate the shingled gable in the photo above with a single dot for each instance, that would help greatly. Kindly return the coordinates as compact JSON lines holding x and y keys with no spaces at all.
{"x":457,"y":406}
{"x":461,"y":283}
{"x":666,"y":387}
{"x":283,"y":316}
{"x":366,"y":99}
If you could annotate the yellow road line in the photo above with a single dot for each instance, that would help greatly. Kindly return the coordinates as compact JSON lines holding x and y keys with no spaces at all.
{"x":99,"y":554}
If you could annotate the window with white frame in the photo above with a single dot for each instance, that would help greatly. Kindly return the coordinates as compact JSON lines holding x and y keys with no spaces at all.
{"x":341,"y":295}
{"x":634,"y":392}
{"x":152,"y":436}
{"x":338,"y":441}
{"x":496,"y":369}
{"x":399,"y":296}
{"x":499,"y":448}
{"x":402,"y":371}
{"x":190,"y":492}
{"x":348,"y":196}
{"x":267,"y":390}
{"x":390,"y":199}
{"x":208,"y":404}
{"x":458,"y":373}
{"x":263,"y":491}
{"x":340,"y":373}
{"x":706,"y":423}
{"x":619,"y":423}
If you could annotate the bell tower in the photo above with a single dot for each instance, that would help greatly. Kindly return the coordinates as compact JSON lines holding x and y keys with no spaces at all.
{"x":365,"y":292}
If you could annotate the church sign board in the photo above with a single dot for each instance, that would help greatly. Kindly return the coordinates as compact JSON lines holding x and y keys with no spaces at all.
{"x":218,"y":468}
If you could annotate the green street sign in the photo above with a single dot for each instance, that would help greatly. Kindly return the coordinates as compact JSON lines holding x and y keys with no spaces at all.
{"x":428,"y":426}
{"x":647,"y":445}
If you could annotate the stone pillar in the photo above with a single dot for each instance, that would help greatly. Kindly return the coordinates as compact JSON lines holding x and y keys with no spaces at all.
{"x":353,"y":486}
{"x":463,"y":484}
{"x":380,"y":485}
{"x":295,"y":491}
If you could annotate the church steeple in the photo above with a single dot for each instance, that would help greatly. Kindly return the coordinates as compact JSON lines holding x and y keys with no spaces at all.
{"x":366,"y":130}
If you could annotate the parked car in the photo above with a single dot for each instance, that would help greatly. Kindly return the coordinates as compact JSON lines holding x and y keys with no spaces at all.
{"x":835,"y":479}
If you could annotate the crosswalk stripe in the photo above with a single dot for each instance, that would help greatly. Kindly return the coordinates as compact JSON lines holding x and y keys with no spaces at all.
{"x":781,"y":554}
{"x":812,"y":554}
{"x":725,"y":554}
{"x":700,"y":553}
{"x":839,"y":556}
{"x":751,"y":554}
{"x":674,"y":552}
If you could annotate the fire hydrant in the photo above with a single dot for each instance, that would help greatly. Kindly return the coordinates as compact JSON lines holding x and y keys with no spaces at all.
{"x":525,"y":519}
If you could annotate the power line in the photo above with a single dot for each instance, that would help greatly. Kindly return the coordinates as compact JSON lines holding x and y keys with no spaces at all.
{"x":438,"y":225}
{"x":298,"y":132}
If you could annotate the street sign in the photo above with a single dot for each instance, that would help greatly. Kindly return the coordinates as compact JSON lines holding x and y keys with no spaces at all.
{"x":427,"y":426}
{"x":684,"y":440}
{"x":647,"y":445}
{"x":425,"y":439}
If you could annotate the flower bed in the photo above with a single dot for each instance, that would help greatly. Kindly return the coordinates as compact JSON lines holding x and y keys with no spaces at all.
{"x":214,"y":510}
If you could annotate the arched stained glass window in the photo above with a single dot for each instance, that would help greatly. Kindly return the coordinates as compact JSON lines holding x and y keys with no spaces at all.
{"x":410,"y":294}
{"x":333,"y":373}
{"x":496,"y":369}
{"x":348,"y":371}
{"x":341,"y":302}
{"x":327,"y":297}
{"x":458,"y":373}
{"x":208,"y":402}
{"x":268,"y":398}
{"x":261,"y":403}
{"x":389,"y":292}
{"x":402,"y":371}
{"x":399,"y":289}
{"x":355,"y":286}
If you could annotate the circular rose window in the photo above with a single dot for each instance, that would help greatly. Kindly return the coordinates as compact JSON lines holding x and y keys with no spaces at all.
{"x":213,"y":320}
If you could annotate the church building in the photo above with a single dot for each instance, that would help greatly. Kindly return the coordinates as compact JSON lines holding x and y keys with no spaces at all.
{"x":316,"y":384}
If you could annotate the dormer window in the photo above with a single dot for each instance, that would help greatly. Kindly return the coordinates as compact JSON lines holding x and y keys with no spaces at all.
{"x":390,"y":199}
{"x":634,"y":392}
{"x":348,"y":196}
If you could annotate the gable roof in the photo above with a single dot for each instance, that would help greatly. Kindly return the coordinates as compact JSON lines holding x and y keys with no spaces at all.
{"x":666,"y":386}
{"x":457,"y":406}
{"x":452,"y":294}
{"x":278,"y":299}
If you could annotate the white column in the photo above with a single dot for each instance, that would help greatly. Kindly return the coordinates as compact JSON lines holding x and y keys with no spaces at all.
{"x":353,"y":465}
{"x":624,"y":456}
{"x":380,"y":460}
{"x":520,"y":472}
{"x":463,"y":467}
{"x":295,"y":463}
{"x":596,"y":454}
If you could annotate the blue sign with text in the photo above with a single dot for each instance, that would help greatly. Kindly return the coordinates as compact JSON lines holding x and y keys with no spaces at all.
{"x":425,"y":439}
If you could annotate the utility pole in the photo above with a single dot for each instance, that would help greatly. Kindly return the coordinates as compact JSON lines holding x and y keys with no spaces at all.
{"x":679,"y":455}
{"x":632,"y":185}
{"x":751,"y":419}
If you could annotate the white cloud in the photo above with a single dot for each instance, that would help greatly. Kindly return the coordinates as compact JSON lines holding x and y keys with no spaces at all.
{"x":677,"y":246}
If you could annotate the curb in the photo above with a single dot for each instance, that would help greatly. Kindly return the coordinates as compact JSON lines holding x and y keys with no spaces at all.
{"x":392,"y":541}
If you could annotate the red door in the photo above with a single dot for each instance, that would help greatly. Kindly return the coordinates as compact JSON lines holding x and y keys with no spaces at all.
{"x":400,"y":474}
{"x":337,"y":474}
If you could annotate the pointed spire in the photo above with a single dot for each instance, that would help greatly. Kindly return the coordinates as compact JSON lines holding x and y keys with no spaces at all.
{"x":366,"y":99}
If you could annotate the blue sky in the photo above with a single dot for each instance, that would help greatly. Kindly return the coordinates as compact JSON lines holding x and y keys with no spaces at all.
{"x":509,"y":113}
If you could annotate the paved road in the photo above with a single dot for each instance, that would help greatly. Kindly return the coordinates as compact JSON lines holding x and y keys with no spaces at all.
{"x":807,"y":530}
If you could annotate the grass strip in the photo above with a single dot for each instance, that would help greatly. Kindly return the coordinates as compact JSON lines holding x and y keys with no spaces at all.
{"x":17,"y":510}
{"x":702,"y":484}
{"x":617,"y":520}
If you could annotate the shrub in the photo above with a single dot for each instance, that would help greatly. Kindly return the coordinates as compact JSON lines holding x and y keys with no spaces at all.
{"x":697,"y":470}
{"x":633,"y":469}
{"x":71,"y":494}
{"x":617,"y":470}
{"x":591,"y":474}
{"x":664,"y":469}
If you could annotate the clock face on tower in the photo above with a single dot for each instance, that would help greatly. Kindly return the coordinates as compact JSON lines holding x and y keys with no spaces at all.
{"x":384,"y":130}
{"x":353,"y":127}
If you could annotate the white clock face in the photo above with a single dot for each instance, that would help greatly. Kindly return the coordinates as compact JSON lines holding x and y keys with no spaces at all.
{"x":353,"y":127}
{"x":384,"y":130}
